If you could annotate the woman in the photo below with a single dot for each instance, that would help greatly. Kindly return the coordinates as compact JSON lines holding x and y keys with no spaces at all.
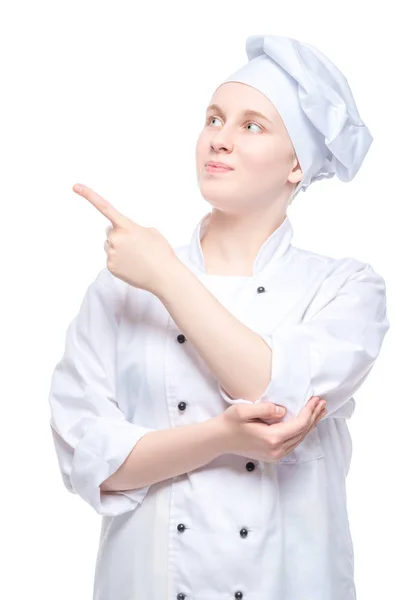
{"x":163,"y":405}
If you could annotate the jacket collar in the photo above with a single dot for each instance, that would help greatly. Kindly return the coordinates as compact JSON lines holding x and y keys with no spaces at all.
{"x":273,"y":248}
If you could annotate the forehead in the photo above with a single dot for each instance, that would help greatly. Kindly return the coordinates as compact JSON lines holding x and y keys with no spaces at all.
{"x":239,"y":97}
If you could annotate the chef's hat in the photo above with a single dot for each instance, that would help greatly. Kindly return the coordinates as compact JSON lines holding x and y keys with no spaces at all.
{"x":315,"y":103}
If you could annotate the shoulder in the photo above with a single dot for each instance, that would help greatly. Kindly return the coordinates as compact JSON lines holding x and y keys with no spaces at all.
{"x":326,"y":278}
{"x":343,"y":267}
{"x":107,"y":291}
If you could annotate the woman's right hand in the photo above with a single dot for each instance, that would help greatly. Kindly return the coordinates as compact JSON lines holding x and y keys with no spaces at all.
{"x":248,"y":434}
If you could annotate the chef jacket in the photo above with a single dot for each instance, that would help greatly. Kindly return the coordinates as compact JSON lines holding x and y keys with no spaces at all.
{"x":235,"y":528}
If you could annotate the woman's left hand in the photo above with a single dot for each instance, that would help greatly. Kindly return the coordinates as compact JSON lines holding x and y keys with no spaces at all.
{"x":138,"y":255}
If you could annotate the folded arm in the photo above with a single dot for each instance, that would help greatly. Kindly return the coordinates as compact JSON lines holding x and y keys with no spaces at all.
{"x":91,"y":435}
{"x":239,"y":358}
{"x":330,"y":353}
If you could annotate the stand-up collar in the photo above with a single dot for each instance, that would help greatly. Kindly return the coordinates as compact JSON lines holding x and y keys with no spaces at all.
{"x":273,"y":248}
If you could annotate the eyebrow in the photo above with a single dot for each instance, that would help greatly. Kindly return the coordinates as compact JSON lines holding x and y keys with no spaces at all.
{"x":245,"y":113}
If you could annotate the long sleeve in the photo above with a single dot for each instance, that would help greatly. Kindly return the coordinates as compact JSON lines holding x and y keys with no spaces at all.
{"x":92,"y":438}
{"x":330,"y":353}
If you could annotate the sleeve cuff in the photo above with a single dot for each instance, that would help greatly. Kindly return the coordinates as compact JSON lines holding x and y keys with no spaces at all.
{"x":99,"y":454}
{"x":290,"y":384}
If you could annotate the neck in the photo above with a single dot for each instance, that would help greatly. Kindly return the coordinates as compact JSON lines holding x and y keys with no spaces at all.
{"x":230,"y":243}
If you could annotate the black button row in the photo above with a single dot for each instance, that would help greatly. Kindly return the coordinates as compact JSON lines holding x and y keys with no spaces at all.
{"x":243,"y":532}
{"x":250,"y":466}
{"x":238,"y":596}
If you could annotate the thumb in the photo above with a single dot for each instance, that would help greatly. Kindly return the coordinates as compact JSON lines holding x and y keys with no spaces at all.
{"x":266,"y":410}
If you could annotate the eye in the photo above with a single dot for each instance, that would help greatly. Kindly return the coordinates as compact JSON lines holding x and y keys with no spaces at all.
{"x":254,"y":124}
{"x":249,"y":123}
{"x":211,"y":119}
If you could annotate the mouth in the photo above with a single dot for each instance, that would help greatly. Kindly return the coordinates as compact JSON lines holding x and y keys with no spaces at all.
{"x":218,"y":168}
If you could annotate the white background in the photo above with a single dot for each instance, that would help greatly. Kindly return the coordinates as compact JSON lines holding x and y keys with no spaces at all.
{"x":113,"y":95}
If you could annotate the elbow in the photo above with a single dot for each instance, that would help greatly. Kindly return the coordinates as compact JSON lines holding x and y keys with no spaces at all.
{"x":249,"y":396}
{"x":257,"y":397}
{"x":261,"y":390}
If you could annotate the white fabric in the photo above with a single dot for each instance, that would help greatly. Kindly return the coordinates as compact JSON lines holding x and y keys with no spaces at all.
{"x":124,"y":373}
{"x":315,"y":103}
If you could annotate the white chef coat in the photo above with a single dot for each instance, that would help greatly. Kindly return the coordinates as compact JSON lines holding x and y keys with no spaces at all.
{"x":236,"y":527}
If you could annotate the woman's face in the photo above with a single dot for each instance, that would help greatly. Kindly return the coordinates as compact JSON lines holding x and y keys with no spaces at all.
{"x":259,"y":149}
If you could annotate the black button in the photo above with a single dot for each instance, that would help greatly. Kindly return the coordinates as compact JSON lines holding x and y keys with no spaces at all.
{"x":243,"y":532}
{"x":260,"y":289}
{"x":239,"y":595}
{"x":250,"y":466}
{"x":181,"y":338}
{"x":181,"y":597}
{"x":182,"y":405}
{"x":181,"y":527}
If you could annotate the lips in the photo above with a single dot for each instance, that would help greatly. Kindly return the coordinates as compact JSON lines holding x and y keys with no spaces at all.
{"x":219,"y":165}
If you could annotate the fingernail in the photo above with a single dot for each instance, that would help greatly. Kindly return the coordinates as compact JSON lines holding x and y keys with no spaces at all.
{"x":280,"y":410}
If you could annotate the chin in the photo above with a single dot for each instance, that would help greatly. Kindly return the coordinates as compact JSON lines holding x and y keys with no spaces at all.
{"x":212,"y":190}
{"x":218,"y":199}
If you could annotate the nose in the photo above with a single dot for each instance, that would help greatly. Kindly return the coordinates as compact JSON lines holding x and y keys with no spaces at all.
{"x":221,"y":141}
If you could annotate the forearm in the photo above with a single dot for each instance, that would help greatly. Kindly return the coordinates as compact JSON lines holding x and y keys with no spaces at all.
{"x":163,"y":454}
{"x":237,"y":356}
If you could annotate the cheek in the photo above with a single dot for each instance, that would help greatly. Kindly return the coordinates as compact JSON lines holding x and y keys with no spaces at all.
{"x":258,"y":161}
{"x":265,"y":158}
{"x":202,"y":152}
{"x":201,"y":145}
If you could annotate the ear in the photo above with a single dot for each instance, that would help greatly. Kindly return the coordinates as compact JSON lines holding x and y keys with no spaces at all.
{"x":296,"y":173}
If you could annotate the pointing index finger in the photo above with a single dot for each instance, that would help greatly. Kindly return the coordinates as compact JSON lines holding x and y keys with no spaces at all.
{"x":100,"y":203}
